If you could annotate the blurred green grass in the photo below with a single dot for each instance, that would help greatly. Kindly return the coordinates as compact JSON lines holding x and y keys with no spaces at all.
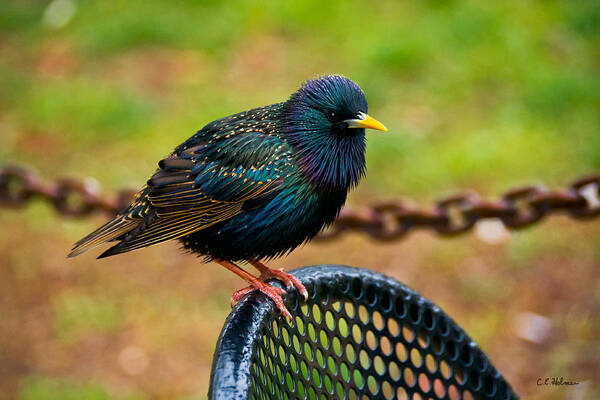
{"x":476,"y":94}
{"x":37,"y":388}
{"x":472,"y":91}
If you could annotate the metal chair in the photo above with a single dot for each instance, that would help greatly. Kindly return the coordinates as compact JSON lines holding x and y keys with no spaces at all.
{"x":360,"y":335}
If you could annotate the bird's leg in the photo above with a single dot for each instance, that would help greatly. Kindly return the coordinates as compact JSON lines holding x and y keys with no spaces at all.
{"x":288,"y":279}
{"x":271,"y":292}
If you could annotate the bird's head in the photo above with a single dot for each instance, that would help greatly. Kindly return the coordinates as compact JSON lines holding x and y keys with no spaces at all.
{"x":325,"y":121}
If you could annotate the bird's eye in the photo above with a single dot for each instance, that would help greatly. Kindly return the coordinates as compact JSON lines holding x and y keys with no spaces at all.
{"x":332,"y":116}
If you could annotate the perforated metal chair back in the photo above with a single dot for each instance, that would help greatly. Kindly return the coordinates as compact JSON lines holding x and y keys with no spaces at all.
{"x":360,"y":335}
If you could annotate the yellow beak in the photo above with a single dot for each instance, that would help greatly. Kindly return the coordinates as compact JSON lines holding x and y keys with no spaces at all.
{"x":367,"y":122}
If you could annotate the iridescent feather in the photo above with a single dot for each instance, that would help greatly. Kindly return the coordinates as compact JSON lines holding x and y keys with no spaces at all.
{"x":252,"y":185}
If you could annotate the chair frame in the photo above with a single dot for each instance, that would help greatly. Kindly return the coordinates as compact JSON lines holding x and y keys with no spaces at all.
{"x":233,"y":374}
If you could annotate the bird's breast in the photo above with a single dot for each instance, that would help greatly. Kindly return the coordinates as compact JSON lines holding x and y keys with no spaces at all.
{"x":295,"y":215}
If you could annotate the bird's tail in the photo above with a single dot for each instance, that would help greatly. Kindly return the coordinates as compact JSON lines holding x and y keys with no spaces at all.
{"x":106,"y":233}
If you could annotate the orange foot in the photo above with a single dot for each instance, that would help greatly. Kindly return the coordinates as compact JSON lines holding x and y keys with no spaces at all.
{"x":274,"y":293}
{"x":259,"y":284}
{"x":289,"y":280}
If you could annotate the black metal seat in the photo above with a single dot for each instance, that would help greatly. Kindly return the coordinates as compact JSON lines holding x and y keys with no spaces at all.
{"x":360,"y":335}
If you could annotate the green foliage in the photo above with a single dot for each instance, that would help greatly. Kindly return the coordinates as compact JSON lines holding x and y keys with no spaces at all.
{"x":85,"y":110}
{"x":76,"y":316}
{"x":46,"y":389}
{"x":39,"y":388}
{"x":487,"y":80}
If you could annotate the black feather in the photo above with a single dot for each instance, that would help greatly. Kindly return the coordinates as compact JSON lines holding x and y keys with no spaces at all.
{"x":251,"y":185}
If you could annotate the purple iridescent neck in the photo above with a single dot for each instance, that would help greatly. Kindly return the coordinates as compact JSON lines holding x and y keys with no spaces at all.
{"x":330,"y":155}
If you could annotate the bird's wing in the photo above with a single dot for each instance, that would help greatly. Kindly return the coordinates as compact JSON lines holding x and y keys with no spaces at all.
{"x":189,"y":198}
{"x":229,"y":166}
{"x":124,"y":222}
{"x":184,"y":196}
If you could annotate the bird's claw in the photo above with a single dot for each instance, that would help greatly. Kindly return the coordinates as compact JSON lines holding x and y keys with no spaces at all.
{"x":239,"y":294}
{"x":274,"y":293}
{"x":289,"y":280}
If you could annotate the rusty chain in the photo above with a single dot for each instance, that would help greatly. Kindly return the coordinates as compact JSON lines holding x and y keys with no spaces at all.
{"x":70,"y":197}
{"x":384,"y":221}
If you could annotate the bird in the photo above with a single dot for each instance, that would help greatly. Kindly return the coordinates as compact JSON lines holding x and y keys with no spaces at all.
{"x":253,"y":186}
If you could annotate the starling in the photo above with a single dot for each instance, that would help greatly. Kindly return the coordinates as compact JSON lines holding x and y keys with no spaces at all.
{"x":253,"y":186}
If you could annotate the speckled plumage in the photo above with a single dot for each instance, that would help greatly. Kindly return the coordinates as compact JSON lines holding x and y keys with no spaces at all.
{"x":253,"y":185}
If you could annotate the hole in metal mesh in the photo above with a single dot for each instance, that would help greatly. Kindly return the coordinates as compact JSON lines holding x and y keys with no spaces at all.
{"x":365,"y":360}
{"x":409,"y":377}
{"x":408,"y":334}
{"x":320,"y":359}
{"x":300,"y":325}
{"x":474,"y":380}
{"x":401,"y":353}
{"x":324,"y":339}
{"x":428,"y":319}
{"x":379,"y":365}
{"x":453,"y":393}
{"x":393,"y":327}
{"x":357,"y":333}
{"x":371,"y":340}
{"x":370,"y":295}
{"x":443,"y":326}
{"x":304,"y":309}
{"x":385,"y":302}
{"x":350,"y":310}
{"x":415,"y":313}
{"x":436,"y":345}
{"x":430,"y":363}
{"x":312,"y":332}
{"x":387,"y":390}
{"x":400,"y":308}
{"x":358,"y":379}
{"x":316,"y":314}
{"x":401,"y":394}
{"x":359,"y":342}
{"x":352,"y":394}
{"x":385,"y":345}
{"x":394,"y":371}
{"x":459,"y":375}
{"x":332,"y":366}
{"x":337,"y":306}
{"x":377,"y":320}
{"x":344,"y":372}
{"x":424,"y":383}
{"x":363,"y":314}
{"x":489,"y":385}
{"x":438,"y":388}
{"x":373,"y":385}
{"x":423,"y":339}
{"x":452,"y":353}
{"x":415,"y":358}
{"x":316,"y":377}
{"x":356,"y":288}
{"x":343,"y":327}
{"x":336,"y":346}
{"x":329,"y":320}
{"x":445,"y":369}
{"x":466,"y":356}
{"x":285,"y":335}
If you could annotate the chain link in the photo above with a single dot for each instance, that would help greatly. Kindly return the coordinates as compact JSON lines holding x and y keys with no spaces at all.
{"x":69,"y":197}
{"x":386,"y":221}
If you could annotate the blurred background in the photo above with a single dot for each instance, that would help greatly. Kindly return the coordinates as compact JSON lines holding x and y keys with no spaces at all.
{"x":481,"y":95}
